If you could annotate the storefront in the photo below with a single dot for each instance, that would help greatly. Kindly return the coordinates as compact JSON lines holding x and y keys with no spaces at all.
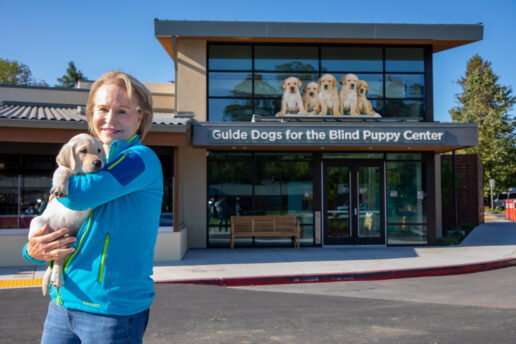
{"x":367,"y":178}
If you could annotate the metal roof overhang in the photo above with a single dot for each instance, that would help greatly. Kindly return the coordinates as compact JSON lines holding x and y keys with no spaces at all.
{"x":335,"y":136}
{"x":439,"y":36}
{"x":52,"y":131}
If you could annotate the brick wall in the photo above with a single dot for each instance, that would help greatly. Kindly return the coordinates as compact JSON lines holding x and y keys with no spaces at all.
{"x":470,"y":198}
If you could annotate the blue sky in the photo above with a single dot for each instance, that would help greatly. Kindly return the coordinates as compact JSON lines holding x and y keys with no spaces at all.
{"x":103,"y":35}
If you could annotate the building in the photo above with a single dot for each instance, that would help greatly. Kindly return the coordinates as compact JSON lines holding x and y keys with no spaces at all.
{"x":371,"y":178}
{"x":351,"y":180}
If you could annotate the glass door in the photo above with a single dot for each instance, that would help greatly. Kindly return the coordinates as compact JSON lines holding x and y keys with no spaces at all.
{"x":353,"y":203}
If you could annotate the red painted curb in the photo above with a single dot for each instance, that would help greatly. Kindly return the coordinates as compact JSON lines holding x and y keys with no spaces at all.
{"x":349,"y":276}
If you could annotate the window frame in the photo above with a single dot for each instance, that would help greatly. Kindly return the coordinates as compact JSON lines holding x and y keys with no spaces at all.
{"x":426,"y":99}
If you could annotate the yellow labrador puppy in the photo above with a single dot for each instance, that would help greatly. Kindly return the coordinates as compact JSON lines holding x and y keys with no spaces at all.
{"x":291,"y":102}
{"x":328,"y":96}
{"x":364,"y":105}
{"x":310,"y":97}
{"x":348,"y":94}
{"x":82,"y":154}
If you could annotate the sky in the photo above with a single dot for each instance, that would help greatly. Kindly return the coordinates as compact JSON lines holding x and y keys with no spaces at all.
{"x":103,"y":35}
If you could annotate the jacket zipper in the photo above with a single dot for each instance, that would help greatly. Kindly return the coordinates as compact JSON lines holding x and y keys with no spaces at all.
{"x":106,"y":243}
{"x":80,"y":243}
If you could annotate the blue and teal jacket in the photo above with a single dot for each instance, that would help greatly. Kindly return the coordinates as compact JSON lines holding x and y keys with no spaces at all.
{"x":109,"y":271}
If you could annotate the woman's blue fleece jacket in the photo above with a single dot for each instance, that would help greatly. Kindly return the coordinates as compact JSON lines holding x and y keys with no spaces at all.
{"x":109,"y":272}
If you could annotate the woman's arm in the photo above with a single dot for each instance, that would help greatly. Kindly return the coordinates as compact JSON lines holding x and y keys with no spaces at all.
{"x":128,"y":173}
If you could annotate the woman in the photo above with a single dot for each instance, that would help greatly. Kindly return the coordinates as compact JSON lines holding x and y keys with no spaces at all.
{"x":108,"y":289}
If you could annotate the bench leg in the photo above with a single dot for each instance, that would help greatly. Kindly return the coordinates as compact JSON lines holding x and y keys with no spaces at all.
{"x":232,"y":242}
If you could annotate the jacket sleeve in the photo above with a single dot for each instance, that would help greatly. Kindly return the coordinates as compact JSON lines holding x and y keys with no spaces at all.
{"x":123,"y":176}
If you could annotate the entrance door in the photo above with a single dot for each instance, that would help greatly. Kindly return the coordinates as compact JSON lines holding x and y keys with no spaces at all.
{"x":353,"y":194}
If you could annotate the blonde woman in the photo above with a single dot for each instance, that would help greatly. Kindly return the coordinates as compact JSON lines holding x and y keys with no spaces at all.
{"x":108,"y":289}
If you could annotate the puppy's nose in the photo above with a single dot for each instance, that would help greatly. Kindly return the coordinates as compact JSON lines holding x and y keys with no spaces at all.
{"x":292,"y":89}
{"x":311,"y":94}
{"x":352,"y":86}
{"x":97,"y":163}
{"x":325,"y":87}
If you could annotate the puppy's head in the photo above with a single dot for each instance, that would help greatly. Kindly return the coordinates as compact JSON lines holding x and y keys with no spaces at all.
{"x":291,"y":84}
{"x":311,"y":89}
{"x":327,"y":82}
{"x":362,"y":88}
{"x":350,"y":81}
{"x":82,"y":154}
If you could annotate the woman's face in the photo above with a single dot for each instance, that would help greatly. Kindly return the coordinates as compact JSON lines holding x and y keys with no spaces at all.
{"x":114,"y":115}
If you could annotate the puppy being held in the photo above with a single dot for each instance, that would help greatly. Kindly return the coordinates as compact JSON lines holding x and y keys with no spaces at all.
{"x":364,"y":105}
{"x":348,"y":95}
{"x":328,"y":96}
{"x":311,"y":97}
{"x":291,"y":102}
{"x":82,"y":154}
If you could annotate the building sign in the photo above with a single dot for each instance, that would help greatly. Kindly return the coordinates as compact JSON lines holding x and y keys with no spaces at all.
{"x":206,"y":134}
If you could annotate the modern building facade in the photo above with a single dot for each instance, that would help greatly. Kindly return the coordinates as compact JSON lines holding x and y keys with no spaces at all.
{"x":368,"y":179}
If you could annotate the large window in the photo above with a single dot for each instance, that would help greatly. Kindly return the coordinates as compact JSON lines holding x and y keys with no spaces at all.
{"x":259,"y":184}
{"x":246,"y":79}
{"x":25,"y":182}
{"x":406,"y":200}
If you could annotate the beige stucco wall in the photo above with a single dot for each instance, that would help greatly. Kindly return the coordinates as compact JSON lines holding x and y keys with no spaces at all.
{"x":192,"y":194}
{"x":191,"y":77}
{"x":191,"y":96}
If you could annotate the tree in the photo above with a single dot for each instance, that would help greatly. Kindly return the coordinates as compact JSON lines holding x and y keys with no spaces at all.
{"x":13,"y":72}
{"x":70,"y":78}
{"x":484,"y":101}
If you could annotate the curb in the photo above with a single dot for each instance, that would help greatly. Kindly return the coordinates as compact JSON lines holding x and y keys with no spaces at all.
{"x":349,"y":276}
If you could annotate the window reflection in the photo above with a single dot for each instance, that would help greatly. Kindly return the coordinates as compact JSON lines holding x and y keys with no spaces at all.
{"x":230,"y":57}
{"x":230,"y":84}
{"x":406,"y":202}
{"x":395,"y":75}
{"x":351,"y":59}
{"x":258,"y":184}
{"x":286,"y":58}
{"x":404,"y":60}
{"x":404,"y":86}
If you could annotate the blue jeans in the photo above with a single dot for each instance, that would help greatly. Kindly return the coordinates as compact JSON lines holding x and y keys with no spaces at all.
{"x":72,"y":326}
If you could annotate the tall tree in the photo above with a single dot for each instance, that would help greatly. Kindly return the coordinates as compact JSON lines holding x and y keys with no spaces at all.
{"x":484,"y":101}
{"x":70,"y":78}
{"x":13,"y":72}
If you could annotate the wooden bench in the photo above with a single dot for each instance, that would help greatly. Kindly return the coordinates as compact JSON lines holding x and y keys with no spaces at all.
{"x":265,"y":226}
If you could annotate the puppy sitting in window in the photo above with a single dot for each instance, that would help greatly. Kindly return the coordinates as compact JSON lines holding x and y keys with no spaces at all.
{"x":310,"y":97}
{"x":82,"y":154}
{"x":291,"y":102}
{"x":328,"y":96}
{"x":364,"y":105}
{"x":348,"y":95}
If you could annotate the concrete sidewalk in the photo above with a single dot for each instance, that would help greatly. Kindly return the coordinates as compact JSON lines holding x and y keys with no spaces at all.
{"x":489,"y":246}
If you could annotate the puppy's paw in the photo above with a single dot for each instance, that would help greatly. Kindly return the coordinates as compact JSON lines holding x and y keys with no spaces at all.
{"x":60,"y":190}
{"x":57,"y":280}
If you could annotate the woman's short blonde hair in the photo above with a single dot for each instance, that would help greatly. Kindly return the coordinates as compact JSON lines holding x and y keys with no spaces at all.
{"x":134,"y":89}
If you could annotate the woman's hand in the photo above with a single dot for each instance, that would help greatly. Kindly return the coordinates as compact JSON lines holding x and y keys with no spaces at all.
{"x":51,"y":246}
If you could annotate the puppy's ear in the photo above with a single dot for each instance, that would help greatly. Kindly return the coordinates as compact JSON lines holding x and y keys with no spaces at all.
{"x":284,"y":85}
{"x":334,"y":82}
{"x":367,"y":88}
{"x":343,"y":80}
{"x":66,"y":156}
